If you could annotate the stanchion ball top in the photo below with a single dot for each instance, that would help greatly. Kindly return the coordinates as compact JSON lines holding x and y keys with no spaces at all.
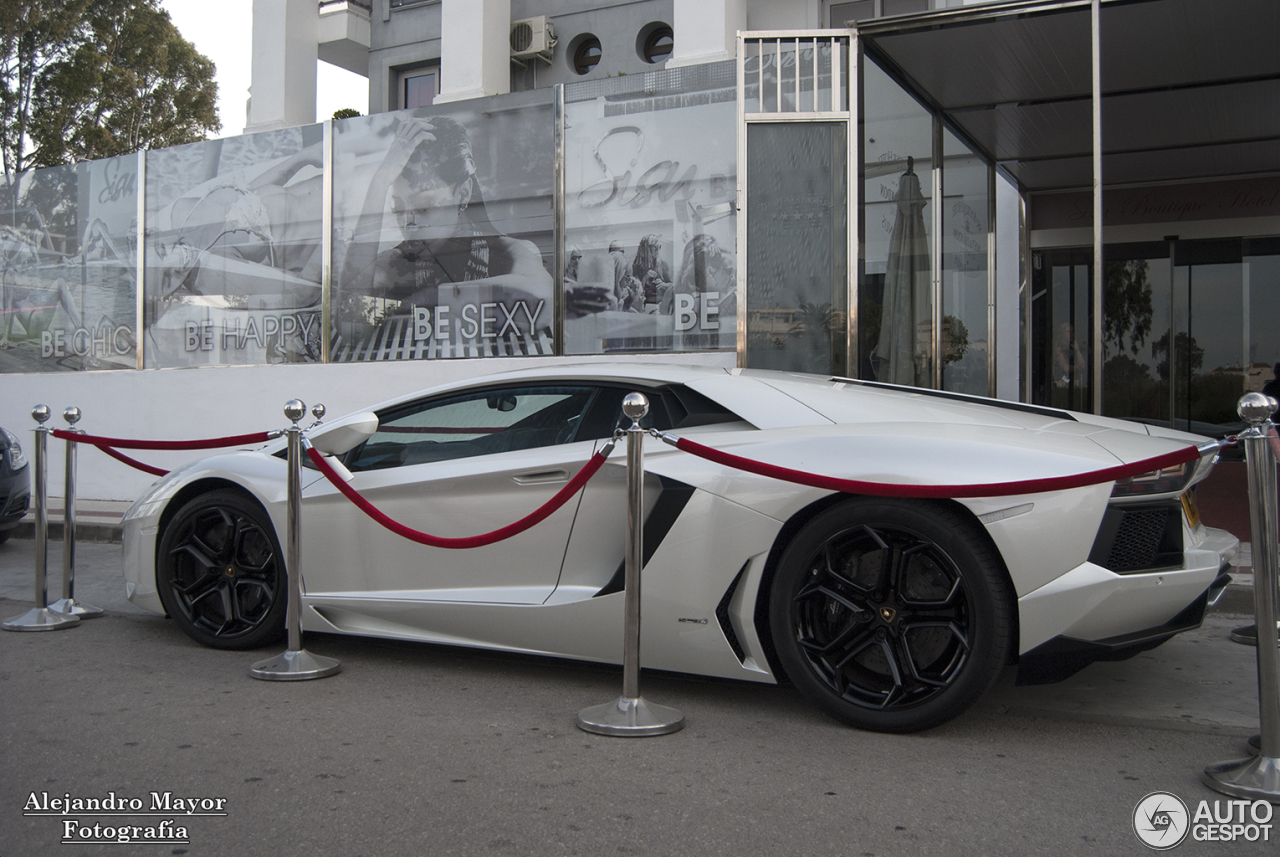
{"x":635,"y":406}
{"x":40,"y":413}
{"x":71,"y":415}
{"x":318,"y":411}
{"x":1255,"y":408}
{"x":294,"y":410}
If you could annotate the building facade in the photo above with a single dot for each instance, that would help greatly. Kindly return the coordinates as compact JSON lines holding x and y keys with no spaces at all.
{"x":884,"y":189}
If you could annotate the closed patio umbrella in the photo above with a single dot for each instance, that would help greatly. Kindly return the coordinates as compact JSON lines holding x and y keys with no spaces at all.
{"x":897,"y":356}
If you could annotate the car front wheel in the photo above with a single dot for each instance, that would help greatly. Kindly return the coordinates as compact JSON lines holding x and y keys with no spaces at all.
{"x":891,"y":615}
{"x":220,"y":572}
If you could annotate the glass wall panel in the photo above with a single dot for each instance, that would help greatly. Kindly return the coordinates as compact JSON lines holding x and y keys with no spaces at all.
{"x":67,"y":267}
{"x":1138,"y":293}
{"x":1208,"y":356}
{"x":965,"y":293}
{"x":1061,"y":283}
{"x":234,"y":251}
{"x":1261,"y":282}
{"x":797,"y":241}
{"x":895,"y":306}
{"x":443,"y":233}
{"x":650,"y":225}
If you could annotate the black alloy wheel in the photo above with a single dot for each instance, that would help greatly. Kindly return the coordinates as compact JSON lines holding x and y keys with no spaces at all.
{"x":891,"y":615}
{"x":220,"y":572}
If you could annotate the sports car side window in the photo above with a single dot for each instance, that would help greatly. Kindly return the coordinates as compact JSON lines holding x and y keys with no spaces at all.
{"x":475,"y":423}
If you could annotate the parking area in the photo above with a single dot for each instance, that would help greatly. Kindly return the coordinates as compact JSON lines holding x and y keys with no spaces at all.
{"x":423,"y":749}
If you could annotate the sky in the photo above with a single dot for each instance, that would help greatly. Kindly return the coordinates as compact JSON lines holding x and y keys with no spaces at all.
{"x":223,"y":31}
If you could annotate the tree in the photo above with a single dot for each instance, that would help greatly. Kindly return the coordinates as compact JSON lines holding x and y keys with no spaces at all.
{"x":102,"y":78}
{"x":1189,"y":355}
{"x":1126,"y":304}
{"x":34,"y":34}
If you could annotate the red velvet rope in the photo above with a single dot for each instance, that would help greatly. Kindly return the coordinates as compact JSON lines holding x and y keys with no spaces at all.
{"x":124,"y":443}
{"x":883,"y":489}
{"x":572,"y":487}
{"x":133,"y":462}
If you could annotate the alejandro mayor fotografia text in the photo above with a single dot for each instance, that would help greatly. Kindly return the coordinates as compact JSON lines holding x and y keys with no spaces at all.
{"x":111,"y":818}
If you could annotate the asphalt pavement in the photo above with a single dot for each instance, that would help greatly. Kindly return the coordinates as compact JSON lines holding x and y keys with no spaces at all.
{"x":420,"y":749}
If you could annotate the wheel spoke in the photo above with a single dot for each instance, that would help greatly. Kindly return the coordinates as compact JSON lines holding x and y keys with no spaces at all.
{"x":198,"y":589}
{"x":892,"y":655}
{"x":846,"y":645}
{"x":229,"y":612}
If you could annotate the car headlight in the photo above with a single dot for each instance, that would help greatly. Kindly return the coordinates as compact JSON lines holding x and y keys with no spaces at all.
{"x":13,"y":455}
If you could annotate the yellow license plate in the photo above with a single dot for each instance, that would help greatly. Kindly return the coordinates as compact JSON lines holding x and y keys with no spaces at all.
{"x":1190,"y":508}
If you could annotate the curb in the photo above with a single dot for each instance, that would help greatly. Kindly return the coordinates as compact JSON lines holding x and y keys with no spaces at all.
{"x":98,"y":533}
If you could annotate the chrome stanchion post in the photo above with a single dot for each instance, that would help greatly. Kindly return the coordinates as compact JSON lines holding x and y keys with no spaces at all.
{"x":40,"y":617}
{"x":297,"y":663}
{"x":630,"y":715}
{"x":67,"y":603}
{"x":1258,"y":778}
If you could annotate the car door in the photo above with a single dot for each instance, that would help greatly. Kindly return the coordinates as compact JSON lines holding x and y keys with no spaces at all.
{"x":456,"y":465}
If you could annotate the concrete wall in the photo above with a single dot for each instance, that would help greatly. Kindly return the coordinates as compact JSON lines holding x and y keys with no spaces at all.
{"x":189,"y":404}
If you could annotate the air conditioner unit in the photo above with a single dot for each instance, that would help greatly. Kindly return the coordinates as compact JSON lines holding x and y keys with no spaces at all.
{"x":532,"y":37}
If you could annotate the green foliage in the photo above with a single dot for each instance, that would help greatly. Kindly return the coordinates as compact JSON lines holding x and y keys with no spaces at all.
{"x":346,"y":113}
{"x":87,"y":79}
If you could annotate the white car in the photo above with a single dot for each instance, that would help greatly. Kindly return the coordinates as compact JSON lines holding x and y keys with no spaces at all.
{"x":891,"y":614}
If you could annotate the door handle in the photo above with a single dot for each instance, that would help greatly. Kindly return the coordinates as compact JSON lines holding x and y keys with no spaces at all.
{"x":541,"y":477}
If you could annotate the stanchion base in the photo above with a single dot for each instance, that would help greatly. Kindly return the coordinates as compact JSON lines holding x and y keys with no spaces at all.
{"x":1254,"y":744}
{"x":1247,"y":635}
{"x":294,"y":666}
{"x":72,"y":607}
{"x":631,"y":718}
{"x":1257,"y":778}
{"x":40,"y":619}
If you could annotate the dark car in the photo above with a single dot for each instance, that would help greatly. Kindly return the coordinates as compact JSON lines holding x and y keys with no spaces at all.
{"x":15,"y":484}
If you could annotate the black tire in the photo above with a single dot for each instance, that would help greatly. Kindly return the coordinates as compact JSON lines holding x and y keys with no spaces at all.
{"x":220,"y":572}
{"x":4,"y":535}
{"x":896,"y":647}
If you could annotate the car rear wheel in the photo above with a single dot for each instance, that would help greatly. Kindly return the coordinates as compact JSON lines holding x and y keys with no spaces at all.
{"x":891,"y":615}
{"x":220,"y":572}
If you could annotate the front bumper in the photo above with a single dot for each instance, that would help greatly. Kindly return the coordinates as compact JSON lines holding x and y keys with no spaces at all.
{"x":15,"y":499}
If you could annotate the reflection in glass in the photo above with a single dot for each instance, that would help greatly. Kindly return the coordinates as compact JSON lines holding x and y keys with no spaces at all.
{"x":67,"y":267}
{"x":1061,"y":319}
{"x":796,"y":243}
{"x":234,"y":250}
{"x":965,"y":295}
{"x":895,"y":310}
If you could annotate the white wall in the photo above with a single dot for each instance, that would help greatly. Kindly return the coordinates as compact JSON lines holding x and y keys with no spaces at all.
{"x":206,"y":402}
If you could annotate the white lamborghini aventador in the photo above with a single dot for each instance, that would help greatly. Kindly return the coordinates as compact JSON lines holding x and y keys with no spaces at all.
{"x":891,"y":614}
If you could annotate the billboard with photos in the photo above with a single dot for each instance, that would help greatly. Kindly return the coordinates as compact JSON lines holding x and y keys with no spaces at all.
{"x":68,"y":282}
{"x":233,"y":250}
{"x":650,"y":226}
{"x":443,"y":232}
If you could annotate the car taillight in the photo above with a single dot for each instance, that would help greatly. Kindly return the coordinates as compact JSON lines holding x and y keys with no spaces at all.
{"x":1166,"y":480}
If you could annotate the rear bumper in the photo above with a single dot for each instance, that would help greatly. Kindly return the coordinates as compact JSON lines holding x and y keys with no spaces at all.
{"x":1063,"y":656}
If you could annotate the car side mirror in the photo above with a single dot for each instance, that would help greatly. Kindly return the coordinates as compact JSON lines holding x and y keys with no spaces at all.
{"x":343,"y":434}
